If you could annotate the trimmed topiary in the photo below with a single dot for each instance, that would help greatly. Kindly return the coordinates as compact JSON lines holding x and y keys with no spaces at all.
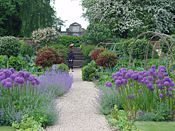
{"x":47,"y":56}
{"x":9,"y":46}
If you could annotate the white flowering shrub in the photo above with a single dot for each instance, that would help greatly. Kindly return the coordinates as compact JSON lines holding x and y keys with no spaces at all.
{"x":45,"y":36}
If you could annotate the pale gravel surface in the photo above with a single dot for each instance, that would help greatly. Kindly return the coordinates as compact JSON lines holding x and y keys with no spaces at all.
{"x":77,"y":108}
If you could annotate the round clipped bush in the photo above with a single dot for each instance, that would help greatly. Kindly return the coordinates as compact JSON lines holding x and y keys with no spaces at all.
{"x":96,"y":52}
{"x":88,"y":72}
{"x":106,"y":59}
{"x":47,"y":56}
{"x":9,"y":46}
{"x":44,"y":36}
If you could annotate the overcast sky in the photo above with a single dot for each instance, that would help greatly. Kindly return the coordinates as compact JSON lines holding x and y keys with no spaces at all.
{"x":71,"y":11}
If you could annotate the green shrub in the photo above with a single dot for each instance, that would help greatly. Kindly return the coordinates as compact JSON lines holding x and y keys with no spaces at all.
{"x":9,"y":46}
{"x":86,"y":49}
{"x":88,"y":73}
{"x":61,"y":67}
{"x":67,"y":40}
{"x":27,"y":124}
{"x":61,"y":49}
{"x":26,"y":49}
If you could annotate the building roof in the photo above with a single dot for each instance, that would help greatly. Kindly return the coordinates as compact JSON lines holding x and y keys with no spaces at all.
{"x":75,"y":24}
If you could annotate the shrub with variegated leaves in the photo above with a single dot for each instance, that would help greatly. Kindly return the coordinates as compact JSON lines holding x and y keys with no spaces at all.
{"x":45,"y":36}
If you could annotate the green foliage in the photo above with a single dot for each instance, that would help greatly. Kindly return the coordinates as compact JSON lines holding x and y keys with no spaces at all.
{"x":61,"y":49}
{"x":9,"y":46}
{"x":67,"y":40}
{"x":96,"y":33}
{"x":139,"y":49}
{"x":108,"y":98}
{"x":61,"y":67}
{"x":16,"y":21}
{"x":119,"y":120}
{"x":89,"y":72}
{"x":27,"y":124}
{"x":26,"y":49}
{"x":162,"y":113}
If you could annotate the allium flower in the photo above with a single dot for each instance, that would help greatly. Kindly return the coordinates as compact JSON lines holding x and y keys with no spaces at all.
{"x":160,"y":76}
{"x":167,"y":79}
{"x":172,"y":84}
{"x":12,"y":70}
{"x":159,"y":86}
{"x":7,"y":72}
{"x":19,"y":80}
{"x":170,"y":89}
{"x":160,"y":95}
{"x":8,"y":84}
{"x":166,"y":83}
{"x":139,"y":112}
{"x":165,"y":74}
{"x":152,"y":89}
{"x":170,"y":94}
{"x":26,"y":74}
{"x":13,"y":76}
{"x":150,"y":85}
{"x":21,"y":73}
{"x":117,"y":82}
{"x":166,"y":93}
{"x":140,"y":91}
{"x":153,"y":67}
{"x":131,"y":96}
{"x":30,"y":78}
{"x":162,"y":69}
{"x":25,"y":59}
{"x":123,"y":81}
{"x":150,"y":78}
{"x":108,"y":84}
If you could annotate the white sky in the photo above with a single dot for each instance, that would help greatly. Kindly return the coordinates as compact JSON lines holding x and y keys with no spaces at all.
{"x":71,"y":11}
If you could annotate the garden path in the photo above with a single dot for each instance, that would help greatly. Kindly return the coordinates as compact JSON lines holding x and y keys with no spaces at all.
{"x":78,"y":110}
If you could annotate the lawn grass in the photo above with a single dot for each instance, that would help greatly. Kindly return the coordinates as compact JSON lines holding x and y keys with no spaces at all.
{"x":6,"y":128}
{"x":155,"y":126}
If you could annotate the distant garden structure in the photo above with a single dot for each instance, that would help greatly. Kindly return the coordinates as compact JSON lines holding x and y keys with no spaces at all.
{"x":75,"y":29}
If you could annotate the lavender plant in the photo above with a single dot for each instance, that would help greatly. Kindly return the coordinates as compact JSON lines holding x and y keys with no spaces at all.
{"x":141,"y":91}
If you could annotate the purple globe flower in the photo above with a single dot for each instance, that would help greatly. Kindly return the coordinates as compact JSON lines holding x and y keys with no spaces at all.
{"x":25,"y":59}
{"x":160,"y":95}
{"x":8,"y":80}
{"x":26,"y":74}
{"x":13,"y":76}
{"x":123,"y":81}
{"x":128,"y":75}
{"x":119,"y":78}
{"x":19,"y":80}
{"x":139,"y":112}
{"x":165,"y":74}
{"x":3,"y":82}
{"x":167,"y":79}
{"x":166,"y":83}
{"x":160,"y":76}
{"x":140,"y":91}
{"x":153,"y":67}
{"x":172,"y":84}
{"x":171,"y":94}
{"x":12,"y":70}
{"x":2,"y":76}
{"x":21,"y":73}
{"x":150,"y":85}
{"x":33,"y":82}
{"x":108,"y":84}
{"x":131,"y":96}
{"x":30,"y":78}
{"x":166,"y":93}
{"x":170,"y":89}
{"x":152,"y":89}
{"x":150,"y":78}
{"x":157,"y":82}
{"x":8,"y":84}
{"x":134,"y":76}
{"x":159,"y":86}
{"x":117,"y":82}
{"x":7,"y":72}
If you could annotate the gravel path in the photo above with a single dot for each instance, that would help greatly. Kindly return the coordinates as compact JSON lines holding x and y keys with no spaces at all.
{"x":78,"y":110}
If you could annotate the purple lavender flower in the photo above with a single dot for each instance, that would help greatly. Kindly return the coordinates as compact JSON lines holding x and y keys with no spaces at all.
{"x":140,"y":91}
{"x":139,"y":112}
{"x":166,"y":83}
{"x":160,"y":95}
{"x":108,"y":84}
